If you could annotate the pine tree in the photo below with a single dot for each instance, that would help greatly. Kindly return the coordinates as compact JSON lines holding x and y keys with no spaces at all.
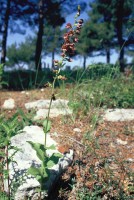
{"x":22,"y":54}
{"x":35,"y":13}
{"x":118,"y":14}
{"x":11,"y":12}
{"x":52,"y":41}
{"x":88,"y":42}
{"x":5,"y":22}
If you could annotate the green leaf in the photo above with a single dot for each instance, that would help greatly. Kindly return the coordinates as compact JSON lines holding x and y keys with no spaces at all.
{"x":5,"y":173}
{"x":44,"y":171}
{"x":6,"y":142}
{"x":39,"y":148}
{"x":4,"y":83}
{"x":53,"y":160}
{"x":36,"y":172}
{"x":52,"y":147}
{"x":15,"y":148}
{"x":2,"y":154}
{"x":41,"y":174}
{"x":46,"y":126}
{"x":38,"y":190}
{"x":50,"y":163}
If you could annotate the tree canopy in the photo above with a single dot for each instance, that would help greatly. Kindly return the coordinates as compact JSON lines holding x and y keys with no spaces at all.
{"x":33,"y":13}
{"x":22,"y":54}
{"x":118,"y":15}
{"x":109,"y":27}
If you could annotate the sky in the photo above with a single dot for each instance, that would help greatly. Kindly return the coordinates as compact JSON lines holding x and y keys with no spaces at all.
{"x":12,"y":38}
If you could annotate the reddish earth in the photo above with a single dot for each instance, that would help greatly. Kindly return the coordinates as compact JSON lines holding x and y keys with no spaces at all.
{"x":103,"y":152}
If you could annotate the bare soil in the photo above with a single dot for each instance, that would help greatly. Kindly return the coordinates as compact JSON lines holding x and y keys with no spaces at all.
{"x":103,"y":155}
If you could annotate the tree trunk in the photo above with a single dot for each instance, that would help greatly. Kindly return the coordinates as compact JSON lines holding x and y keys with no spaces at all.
{"x":121,"y":59}
{"x":119,"y":26}
{"x":84,"y":62}
{"x":53,"y":54}
{"x":108,"y":55}
{"x":39,"y":36}
{"x":5,"y":33}
{"x":53,"y":51}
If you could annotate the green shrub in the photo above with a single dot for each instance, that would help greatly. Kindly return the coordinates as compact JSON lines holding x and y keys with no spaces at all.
{"x":105,"y":92}
{"x":1,"y":76}
{"x":20,"y":80}
{"x":96,"y":71}
{"x":112,"y":93}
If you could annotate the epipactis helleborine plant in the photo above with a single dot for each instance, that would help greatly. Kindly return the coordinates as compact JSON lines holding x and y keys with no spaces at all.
{"x":42,"y":173}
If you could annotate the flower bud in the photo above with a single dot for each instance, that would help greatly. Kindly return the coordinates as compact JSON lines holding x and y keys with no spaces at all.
{"x":63,"y":55}
{"x":60,"y":77}
{"x":56,"y":62}
{"x":80,"y":21}
{"x":68,"y":25}
{"x":76,"y":39}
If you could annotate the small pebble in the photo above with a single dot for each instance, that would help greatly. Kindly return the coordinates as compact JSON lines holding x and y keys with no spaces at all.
{"x":77,"y":130}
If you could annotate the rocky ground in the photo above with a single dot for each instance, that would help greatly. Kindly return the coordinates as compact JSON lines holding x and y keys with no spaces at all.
{"x":104,"y":148}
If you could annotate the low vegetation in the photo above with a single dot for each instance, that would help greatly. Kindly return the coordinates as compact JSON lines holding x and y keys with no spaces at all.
{"x":94,"y":176}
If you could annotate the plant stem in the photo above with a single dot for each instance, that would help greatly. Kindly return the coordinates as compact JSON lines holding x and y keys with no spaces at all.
{"x":40,"y":195}
{"x":47,"y":120}
{"x":49,"y":108}
{"x":7,"y":167}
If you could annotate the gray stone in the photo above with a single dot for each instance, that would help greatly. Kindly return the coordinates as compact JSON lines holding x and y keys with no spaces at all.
{"x":59,"y":103}
{"x":23,"y":92}
{"x":130,"y":160}
{"x":119,"y":114}
{"x":42,"y":89}
{"x":26,"y":93}
{"x":77,"y":130}
{"x":58,"y":107}
{"x":9,"y":104}
{"x":119,"y":141}
{"x":54,"y":112}
{"x":27,"y":157}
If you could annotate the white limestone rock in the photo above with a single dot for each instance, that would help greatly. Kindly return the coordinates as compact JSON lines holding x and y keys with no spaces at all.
{"x":77,"y":130}
{"x":130,"y":160}
{"x":58,"y":107}
{"x":27,"y":157}
{"x":26,"y":93}
{"x":23,"y":92}
{"x":54,"y":112}
{"x":122,"y":142}
{"x":9,"y":104}
{"x":40,"y":104}
{"x":42,"y":89}
{"x":119,"y":114}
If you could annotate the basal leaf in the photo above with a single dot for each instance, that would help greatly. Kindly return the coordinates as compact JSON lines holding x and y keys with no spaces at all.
{"x":52,"y":147}
{"x":53,"y":160}
{"x":50,"y":164}
{"x":39,"y":148}
{"x":34,"y":171}
{"x":44,"y":171}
